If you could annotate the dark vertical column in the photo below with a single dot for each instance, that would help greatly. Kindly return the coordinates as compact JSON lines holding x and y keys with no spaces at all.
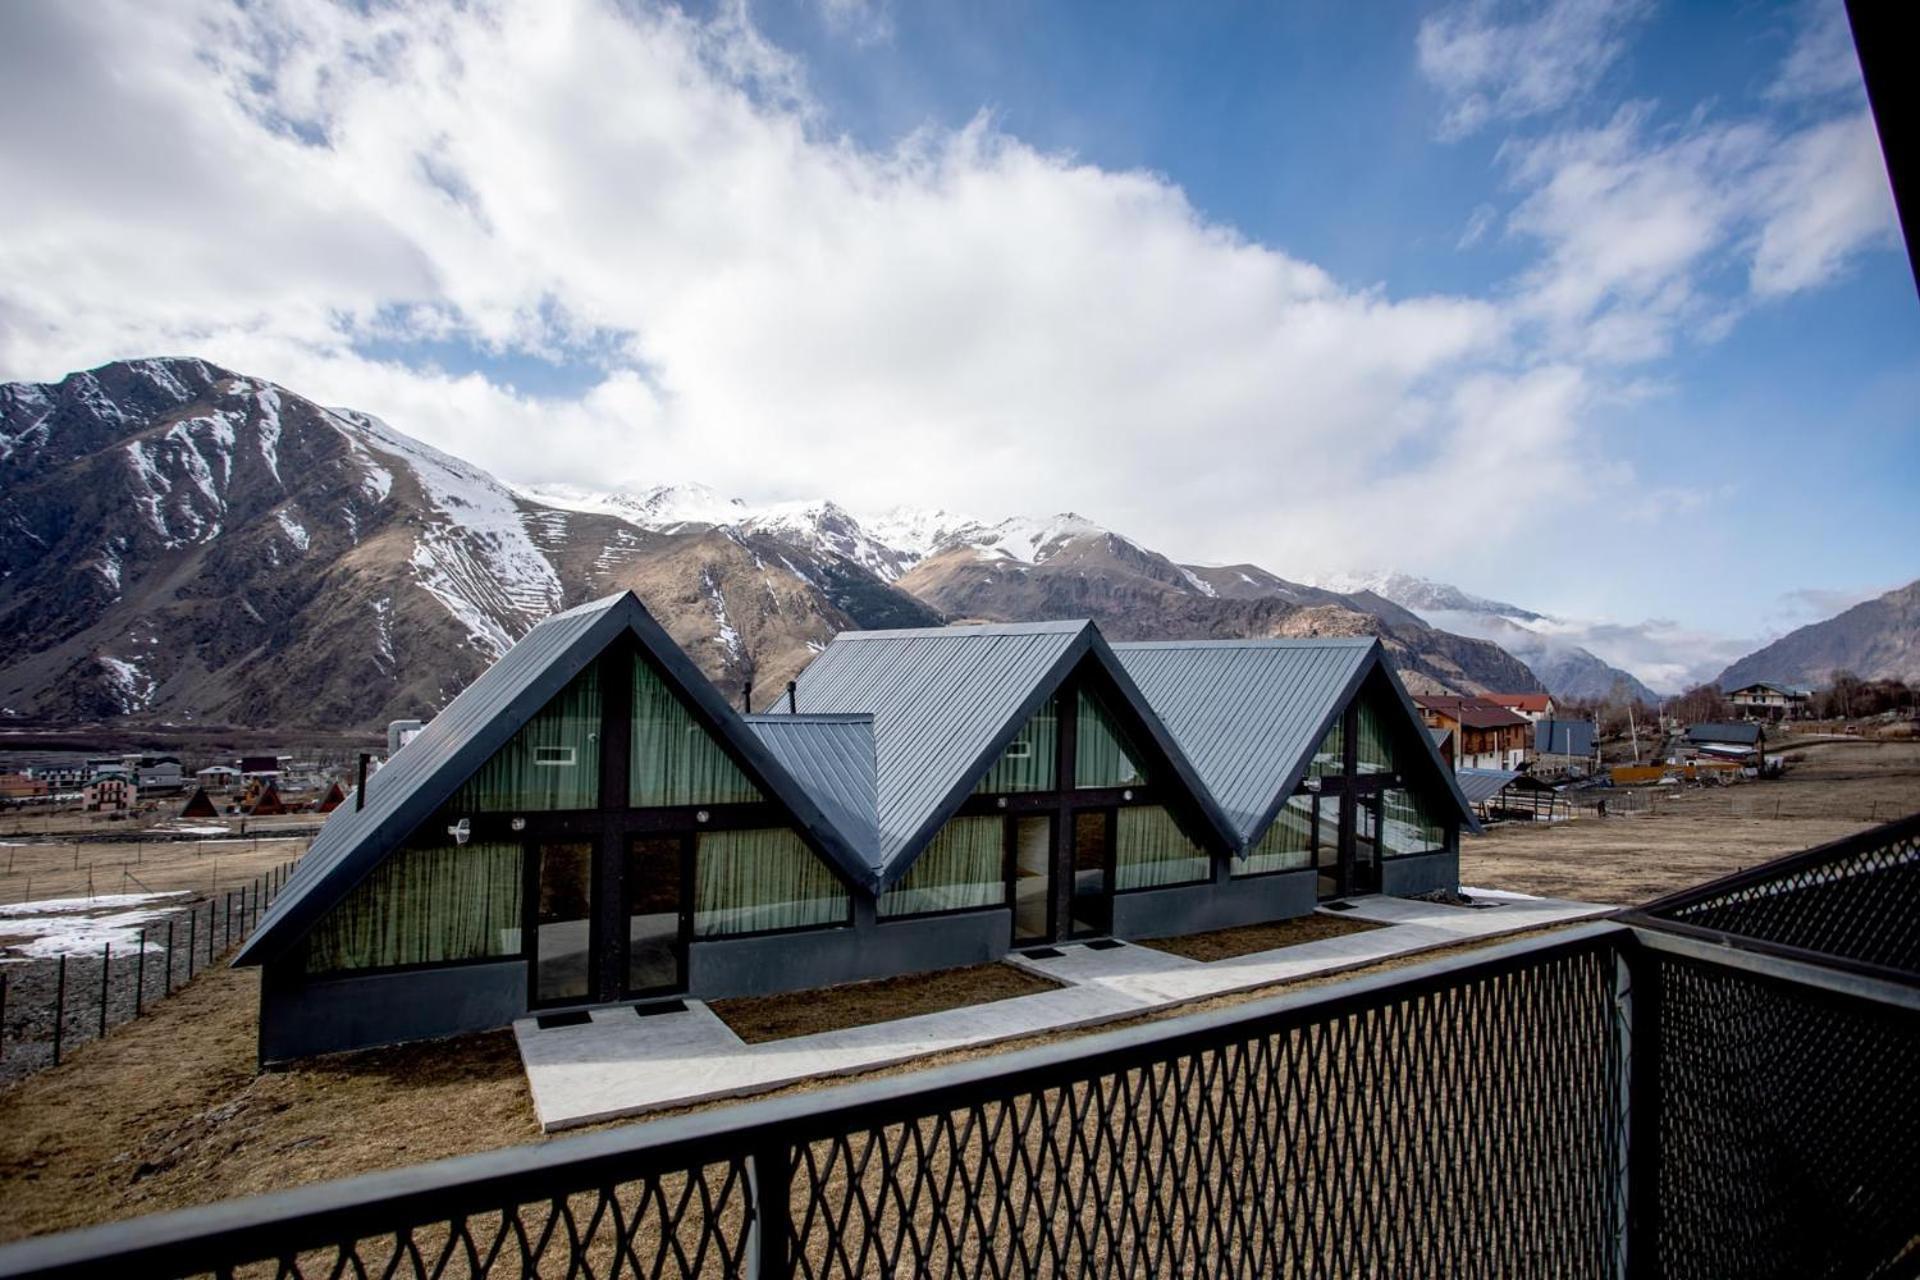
{"x":1065,"y":755}
{"x":1350,"y":771}
{"x":1641,"y":1188}
{"x":610,"y":853}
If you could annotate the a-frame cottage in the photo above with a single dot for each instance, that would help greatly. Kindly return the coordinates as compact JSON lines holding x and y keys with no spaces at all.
{"x":591,"y":823}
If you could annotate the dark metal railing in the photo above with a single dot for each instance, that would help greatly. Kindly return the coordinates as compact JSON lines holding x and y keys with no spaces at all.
{"x":1615,"y":1099}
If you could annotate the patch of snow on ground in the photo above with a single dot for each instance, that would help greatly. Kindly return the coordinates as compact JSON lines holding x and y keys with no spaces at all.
{"x":383,"y":629}
{"x":269,"y":430}
{"x":1507,"y":894}
{"x":133,"y":688}
{"x":296,"y":532}
{"x":79,"y":926}
{"x":1200,"y":584}
{"x":728,"y":638}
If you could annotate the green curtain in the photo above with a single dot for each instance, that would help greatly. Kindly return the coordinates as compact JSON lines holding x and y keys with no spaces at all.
{"x":1287,"y":845}
{"x":1330,"y":759}
{"x":1375,"y":748}
{"x":754,"y":881}
{"x":427,"y":905}
{"x":1102,"y":755}
{"x":552,"y":763}
{"x":674,"y":761}
{"x":962,"y":868}
{"x":1409,"y":824}
{"x":1150,"y":849}
{"x":1027,"y":763}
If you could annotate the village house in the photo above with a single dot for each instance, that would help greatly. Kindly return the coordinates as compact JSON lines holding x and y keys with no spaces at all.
{"x":1566,"y":748}
{"x":22,"y":786}
{"x":590,"y":823}
{"x":1765,"y":700}
{"x":108,"y":793}
{"x":1534,"y":706}
{"x":1743,"y":743}
{"x":1485,"y":734}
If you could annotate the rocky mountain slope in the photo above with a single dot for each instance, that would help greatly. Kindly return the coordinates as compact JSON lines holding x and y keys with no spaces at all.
{"x":183,"y":544}
{"x":1877,"y":640}
{"x":1564,"y":667}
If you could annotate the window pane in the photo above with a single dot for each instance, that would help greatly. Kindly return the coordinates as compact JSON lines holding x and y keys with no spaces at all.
{"x":1032,"y":879}
{"x":552,"y":763}
{"x":1102,"y":756}
{"x":1027,"y":763}
{"x":653,"y":913}
{"x":563,"y":923}
{"x":1409,"y":825}
{"x":753,"y":881}
{"x":1089,"y":904}
{"x":960,"y":869}
{"x":429,"y":905}
{"x":1330,"y":758}
{"x":1287,"y":844}
{"x":1374,"y":750}
{"x":1152,"y":850}
{"x":674,"y":762}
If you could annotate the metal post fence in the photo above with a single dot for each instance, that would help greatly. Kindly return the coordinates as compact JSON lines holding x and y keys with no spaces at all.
{"x":140,"y":974}
{"x":106,"y":978}
{"x":59,"y":1009}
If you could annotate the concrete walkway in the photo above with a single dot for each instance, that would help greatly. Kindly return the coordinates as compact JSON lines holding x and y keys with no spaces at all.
{"x":620,"y":1063}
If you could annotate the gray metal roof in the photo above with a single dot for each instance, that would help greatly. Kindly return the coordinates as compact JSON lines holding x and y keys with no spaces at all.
{"x":1746,"y":735}
{"x":1249,"y":713}
{"x":945,"y":702}
{"x":1439,"y":734}
{"x":1481,"y":785}
{"x":421,"y":775}
{"x":1563,"y":737}
{"x":832,"y":757}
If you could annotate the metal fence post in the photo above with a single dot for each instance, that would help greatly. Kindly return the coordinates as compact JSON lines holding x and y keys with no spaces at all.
{"x":3,"y":1015}
{"x":167,"y":986}
{"x":59,"y":1008}
{"x":193,"y":928}
{"x":1643,"y":1114}
{"x":106,"y":977}
{"x":140,"y":974}
{"x":772,"y":1212}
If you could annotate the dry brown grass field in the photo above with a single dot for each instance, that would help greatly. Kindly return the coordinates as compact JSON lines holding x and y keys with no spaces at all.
{"x":34,"y":869}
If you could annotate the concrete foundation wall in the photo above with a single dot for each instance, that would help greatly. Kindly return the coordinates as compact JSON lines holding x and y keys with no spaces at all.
{"x":797,"y":961}
{"x":1196,"y":908}
{"x":299,"y":1019}
{"x":1420,"y":873}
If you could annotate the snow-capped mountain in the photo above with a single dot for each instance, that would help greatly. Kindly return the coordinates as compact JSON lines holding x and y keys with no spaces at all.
{"x":1543,"y":642}
{"x":180,"y":543}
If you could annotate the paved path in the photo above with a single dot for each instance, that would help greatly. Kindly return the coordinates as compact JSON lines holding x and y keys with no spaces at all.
{"x":622,"y":1064}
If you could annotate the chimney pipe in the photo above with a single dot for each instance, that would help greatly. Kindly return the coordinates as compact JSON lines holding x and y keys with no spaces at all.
{"x":360,"y":791}
{"x":747,"y":698}
{"x":791,"y":686}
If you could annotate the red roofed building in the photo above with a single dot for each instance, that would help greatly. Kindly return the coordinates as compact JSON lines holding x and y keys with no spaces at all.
{"x":1534,"y":706}
{"x":1486,"y":735}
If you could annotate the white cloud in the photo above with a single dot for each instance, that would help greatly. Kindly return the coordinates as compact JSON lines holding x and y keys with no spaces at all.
{"x":1504,"y":61}
{"x":865,"y":22}
{"x":1822,"y":61}
{"x":1823,"y":197}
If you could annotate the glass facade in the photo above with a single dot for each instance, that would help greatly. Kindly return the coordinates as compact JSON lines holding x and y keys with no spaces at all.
{"x":1408,"y":824}
{"x":424,"y":905}
{"x":1287,"y":844}
{"x":963,"y":868}
{"x":674,"y":761}
{"x":758,"y":881}
{"x":1374,"y":751}
{"x":1028,"y":762}
{"x":1150,"y":849}
{"x":1102,"y":755}
{"x":552,"y":763}
{"x":1330,"y":758}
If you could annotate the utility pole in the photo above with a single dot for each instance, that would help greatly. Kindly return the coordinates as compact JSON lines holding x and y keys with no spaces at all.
{"x":1633,"y":732}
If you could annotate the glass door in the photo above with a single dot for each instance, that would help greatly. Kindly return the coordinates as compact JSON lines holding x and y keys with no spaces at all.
{"x":1032,"y":881}
{"x":563,"y":923}
{"x":1365,"y":876}
{"x":1326,"y":845}
{"x":659,"y":915}
{"x":1091,"y":908}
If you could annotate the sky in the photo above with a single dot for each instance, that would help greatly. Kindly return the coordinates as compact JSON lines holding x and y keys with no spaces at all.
{"x":1594,"y":306}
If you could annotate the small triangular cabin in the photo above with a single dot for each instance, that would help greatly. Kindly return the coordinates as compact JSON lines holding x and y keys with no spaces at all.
{"x":591,"y":823}
{"x":334,"y":797}
{"x":266,"y":802}
{"x":199,"y":805}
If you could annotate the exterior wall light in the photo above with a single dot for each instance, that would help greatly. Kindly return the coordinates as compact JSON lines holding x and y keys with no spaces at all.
{"x":519,"y":824}
{"x":700,"y":816}
{"x":1127,"y":794}
{"x":1001,"y":802}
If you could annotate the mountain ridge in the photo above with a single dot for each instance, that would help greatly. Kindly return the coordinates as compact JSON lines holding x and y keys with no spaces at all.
{"x":1876,"y":639}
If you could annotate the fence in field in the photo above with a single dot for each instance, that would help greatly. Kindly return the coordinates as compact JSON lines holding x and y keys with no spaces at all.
{"x":80,"y":997}
{"x":1718,"y":1086}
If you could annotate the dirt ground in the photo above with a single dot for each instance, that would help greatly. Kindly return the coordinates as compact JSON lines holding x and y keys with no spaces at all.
{"x":757,"y":1019}
{"x":31,"y":870}
{"x":1225,"y":944}
{"x":1695,"y":835}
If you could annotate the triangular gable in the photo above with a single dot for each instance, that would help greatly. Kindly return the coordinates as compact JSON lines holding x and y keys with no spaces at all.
{"x":480,"y":722}
{"x":1251,"y":713}
{"x":945,"y":703}
{"x":199,"y":805}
